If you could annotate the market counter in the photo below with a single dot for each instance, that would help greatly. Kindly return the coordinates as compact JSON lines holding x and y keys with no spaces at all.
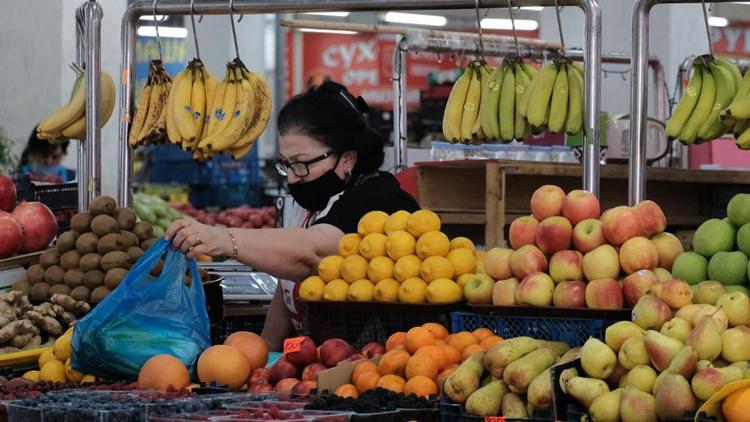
{"x":495,"y":192}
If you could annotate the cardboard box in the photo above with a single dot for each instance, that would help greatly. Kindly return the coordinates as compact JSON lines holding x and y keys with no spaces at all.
{"x":341,"y":374}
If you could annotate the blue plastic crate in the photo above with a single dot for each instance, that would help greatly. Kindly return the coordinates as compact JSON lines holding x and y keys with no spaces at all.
{"x":169,"y":164}
{"x":225,"y":195}
{"x":573,"y":331}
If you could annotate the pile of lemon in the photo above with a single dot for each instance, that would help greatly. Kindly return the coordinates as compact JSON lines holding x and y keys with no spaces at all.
{"x":402,"y":257}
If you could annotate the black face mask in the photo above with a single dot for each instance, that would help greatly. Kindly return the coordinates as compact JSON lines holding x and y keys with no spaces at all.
{"x":314,"y":195}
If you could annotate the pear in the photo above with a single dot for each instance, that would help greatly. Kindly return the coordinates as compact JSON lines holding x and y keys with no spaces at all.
{"x":597,"y":359}
{"x":606,"y":408}
{"x":705,"y":339}
{"x":570,"y":355}
{"x":651,"y":312}
{"x":735,"y":344}
{"x":585,"y":390}
{"x":465,"y":379}
{"x":745,"y":366}
{"x":614,"y":379}
{"x":637,"y":406}
{"x":707,"y":382}
{"x":641,"y":377}
{"x":693,"y":313}
{"x":708,"y":292}
{"x":661,"y":349}
{"x":633,"y":353}
{"x":521,"y":372}
{"x":503,"y":353}
{"x":674,"y":398}
{"x":514,"y":406}
{"x":676,"y":293}
{"x":677,"y":328}
{"x":488,"y":379}
{"x":703,"y":364}
{"x":487,"y":401}
{"x":737,"y":307}
{"x":617,"y":333}
{"x":558,"y":347}
{"x":658,"y":381}
{"x":684,"y":362}
{"x":539,"y":393}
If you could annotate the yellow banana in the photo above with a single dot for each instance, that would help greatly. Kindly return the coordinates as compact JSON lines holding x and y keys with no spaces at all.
{"x":507,"y":109}
{"x":558,"y":108}
{"x":198,"y":104}
{"x":484,"y":72}
{"x":454,"y":107}
{"x":522,"y":81}
{"x":702,"y":109}
{"x":686,"y":104}
{"x":725,"y":91}
{"x":155,"y":104}
{"x":211,"y":85}
{"x":241,"y":120}
{"x":67,"y":114}
{"x":488,"y":114}
{"x":471,"y":106}
{"x":229,"y":108}
{"x":263,"y":107}
{"x":540,"y":100}
{"x":106,"y":106}
{"x":215,"y":111}
{"x":140,"y":114}
{"x":574,"y":119}
{"x":173,"y":133}
{"x":183,"y":114}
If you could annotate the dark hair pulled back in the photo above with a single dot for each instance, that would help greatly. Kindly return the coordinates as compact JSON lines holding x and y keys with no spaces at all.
{"x":332,"y":116}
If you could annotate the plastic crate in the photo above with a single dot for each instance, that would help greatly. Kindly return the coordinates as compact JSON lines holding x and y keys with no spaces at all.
{"x":225,"y":196}
{"x":573,"y":331}
{"x":453,"y":412}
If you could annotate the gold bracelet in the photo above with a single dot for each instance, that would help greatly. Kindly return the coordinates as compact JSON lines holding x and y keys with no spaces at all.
{"x":235,"y":246}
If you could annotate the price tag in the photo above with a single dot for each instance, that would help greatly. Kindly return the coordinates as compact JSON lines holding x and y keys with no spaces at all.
{"x":293,"y":344}
{"x":494,"y":419}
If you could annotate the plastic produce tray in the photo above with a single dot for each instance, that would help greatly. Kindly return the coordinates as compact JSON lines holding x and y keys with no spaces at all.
{"x":453,"y":412}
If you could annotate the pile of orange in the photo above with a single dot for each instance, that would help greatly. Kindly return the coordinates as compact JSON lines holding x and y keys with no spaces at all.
{"x":418,"y":361}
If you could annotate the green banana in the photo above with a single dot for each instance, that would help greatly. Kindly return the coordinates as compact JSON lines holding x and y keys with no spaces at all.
{"x":743,"y":141}
{"x":739,"y":109}
{"x":701,"y":111}
{"x":529,"y":92}
{"x":508,"y":104}
{"x":470,"y":113}
{"x":454,"y":107}
{"x":488,"y":112}
{"x":725,"y":91}
{"x":732,"y":68}
{"x":522,"y":81}
{"x":574,"y":120}
{"x":579,"y":67}
{"x":686,"y":104}
{"x":740,"y":127}
{"x":529,"y":70}
{"x":540,"y":100}
{"x":558,"y":109}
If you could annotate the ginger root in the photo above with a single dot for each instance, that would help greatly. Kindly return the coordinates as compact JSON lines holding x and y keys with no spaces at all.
{"x":47,"y":323}
{"x":70,"y":304}
{"x":18,"y":328}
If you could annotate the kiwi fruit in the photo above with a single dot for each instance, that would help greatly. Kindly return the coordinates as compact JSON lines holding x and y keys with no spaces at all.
{"x":156,"y":270}
{"x":81,"y":222}
{"x":130,"y":237}
{"x":35,"y":274}
{"x":98,"y":294}
{"x":67,"y":241}
{"x":73,"y":278}
{"x":134,"y":252}
{"x":148,"y":243}
{"x":90,"y":262}
{"x":115,"y":259}
{"x":81,"y":293}
{"x":103,"y":225}
{"x":93,"y":279}
{"x":22,"y":285}
{"x":54,"y":275}
{"x":49,"y":258}
{"x":86,"y":243}
{"x":125,"y":217}
{"x":143,"y":230}
{"x":111,"y":242}
{"x":102,"y":205}
{"x":113,"y":277}
{"x":59,"y":289}
{"x":39,"y":291}
{"x":69,"y":260}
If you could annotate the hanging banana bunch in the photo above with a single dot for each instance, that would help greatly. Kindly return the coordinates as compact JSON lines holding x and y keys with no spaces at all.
{"x":149,"y":125}
{"x":461,"y":121}
{"x":69,"y":121}
{"x":553,"y":100}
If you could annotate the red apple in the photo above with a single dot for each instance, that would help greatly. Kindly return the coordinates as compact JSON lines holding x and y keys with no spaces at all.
{"x":620,"y":224}
{"x":566,"y":265}
{"x":535,"y":290}
{"x":282,"y":369}
{"x":305,"y":387}
{"x":373,"y":349}
{"x":570,"y":294}
{"x":636,"y":285}
{"x":307,"y":354}
{"x":547,"y":201}
{"x":333,"y":351}
{"x":651,"y":218}
{"x":38,"y":224}
{"x":604,"y":294}
{"x":286,"y":385}
{"x":527,"y":260}
{"x":588,"y":235}
{"x":7,"y":194}
{"x":554,"y":234}
{"x":259,"y":376}
{"x":260,"y":388}
{"x":11,"y":235}
{"x":580,"y":205}
{"x":310,"y":373}
{"x":523,"y":231}
{"x":638,"y":253}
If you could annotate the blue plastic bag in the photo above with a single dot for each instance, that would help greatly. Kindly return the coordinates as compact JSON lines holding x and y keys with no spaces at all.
{"x":145,"y":316}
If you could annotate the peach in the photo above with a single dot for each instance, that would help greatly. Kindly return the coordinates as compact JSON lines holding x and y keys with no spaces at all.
{"x":580,"y":205}
{"x":305,"y":387}
{"x":636,"y":285}
{"x":547,"y":201}
{"x":651,"y":218}
{"x":604,"y":294}
{"x":370,"y":350}
{"x":588,"y":235}
{"x":310,"y":373}
{"x":526,"y":260}
{"x":286,"y":385}
{"x":566,"y":265}
{"x":620,"y":224}
{"x":497,"y":263}
{"x":554,"y":234}
{"x":570,"y":294}
{"x":602,"y":262}
{"x":535,"y":290}
{"x":333,"y":351}
{"x":307,"y":354}
{"x":669,"y":248}
{"x":523,"y":231}
{"x":638,"y":253}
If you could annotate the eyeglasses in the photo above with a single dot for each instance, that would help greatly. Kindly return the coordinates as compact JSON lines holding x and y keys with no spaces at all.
{"x":299,"y":168}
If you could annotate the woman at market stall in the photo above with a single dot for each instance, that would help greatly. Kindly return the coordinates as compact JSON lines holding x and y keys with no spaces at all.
{"x":331,"y":158}
{"x":42,"y":160}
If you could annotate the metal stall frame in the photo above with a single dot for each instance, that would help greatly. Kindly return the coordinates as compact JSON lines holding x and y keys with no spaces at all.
{"x":591,"y":8}
{"x":639,"y":93}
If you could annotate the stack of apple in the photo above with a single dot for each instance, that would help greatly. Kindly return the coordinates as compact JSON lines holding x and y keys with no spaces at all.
{"x":28,"y":227}
{"x":568,"y":255}
{"x":673,"y":356}
{"x":296,"y":372}
{"x":720,"y":249}
{"x":243,"y":216}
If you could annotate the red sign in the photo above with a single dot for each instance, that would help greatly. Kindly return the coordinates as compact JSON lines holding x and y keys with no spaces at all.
{"x":732,"y":40}
{"x":293,"y":344}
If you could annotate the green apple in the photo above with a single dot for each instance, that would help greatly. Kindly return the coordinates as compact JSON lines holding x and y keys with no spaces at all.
{"x":691,"y":267}
{"x":738,"y":209}
{"x":713,"y":236}
{"x":743,"y":239}
{"x":737,"y":288}
{"x":730,"y":268}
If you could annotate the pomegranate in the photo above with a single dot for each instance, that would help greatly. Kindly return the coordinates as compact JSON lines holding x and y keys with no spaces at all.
{"x":38,"y":224}
{"x":7,"y":194}
{"x":11,"y":235}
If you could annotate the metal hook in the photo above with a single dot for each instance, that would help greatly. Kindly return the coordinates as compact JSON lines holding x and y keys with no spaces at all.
{"x":234,"y":31}
{"x":156,"y":26}
{"x":195,"y":34}
{"x":513,"y":26}
{"x":559,"y":28}
{"x":479,"y":28}
{"x":708,"y":28}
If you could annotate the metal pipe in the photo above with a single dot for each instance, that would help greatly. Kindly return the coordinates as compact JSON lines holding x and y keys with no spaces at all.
{"x":127,"y":84}
{"x":592,"y":66}
{"x":400,"y":138}
{"x":81,"y":173}
{"x":93,"y":21}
